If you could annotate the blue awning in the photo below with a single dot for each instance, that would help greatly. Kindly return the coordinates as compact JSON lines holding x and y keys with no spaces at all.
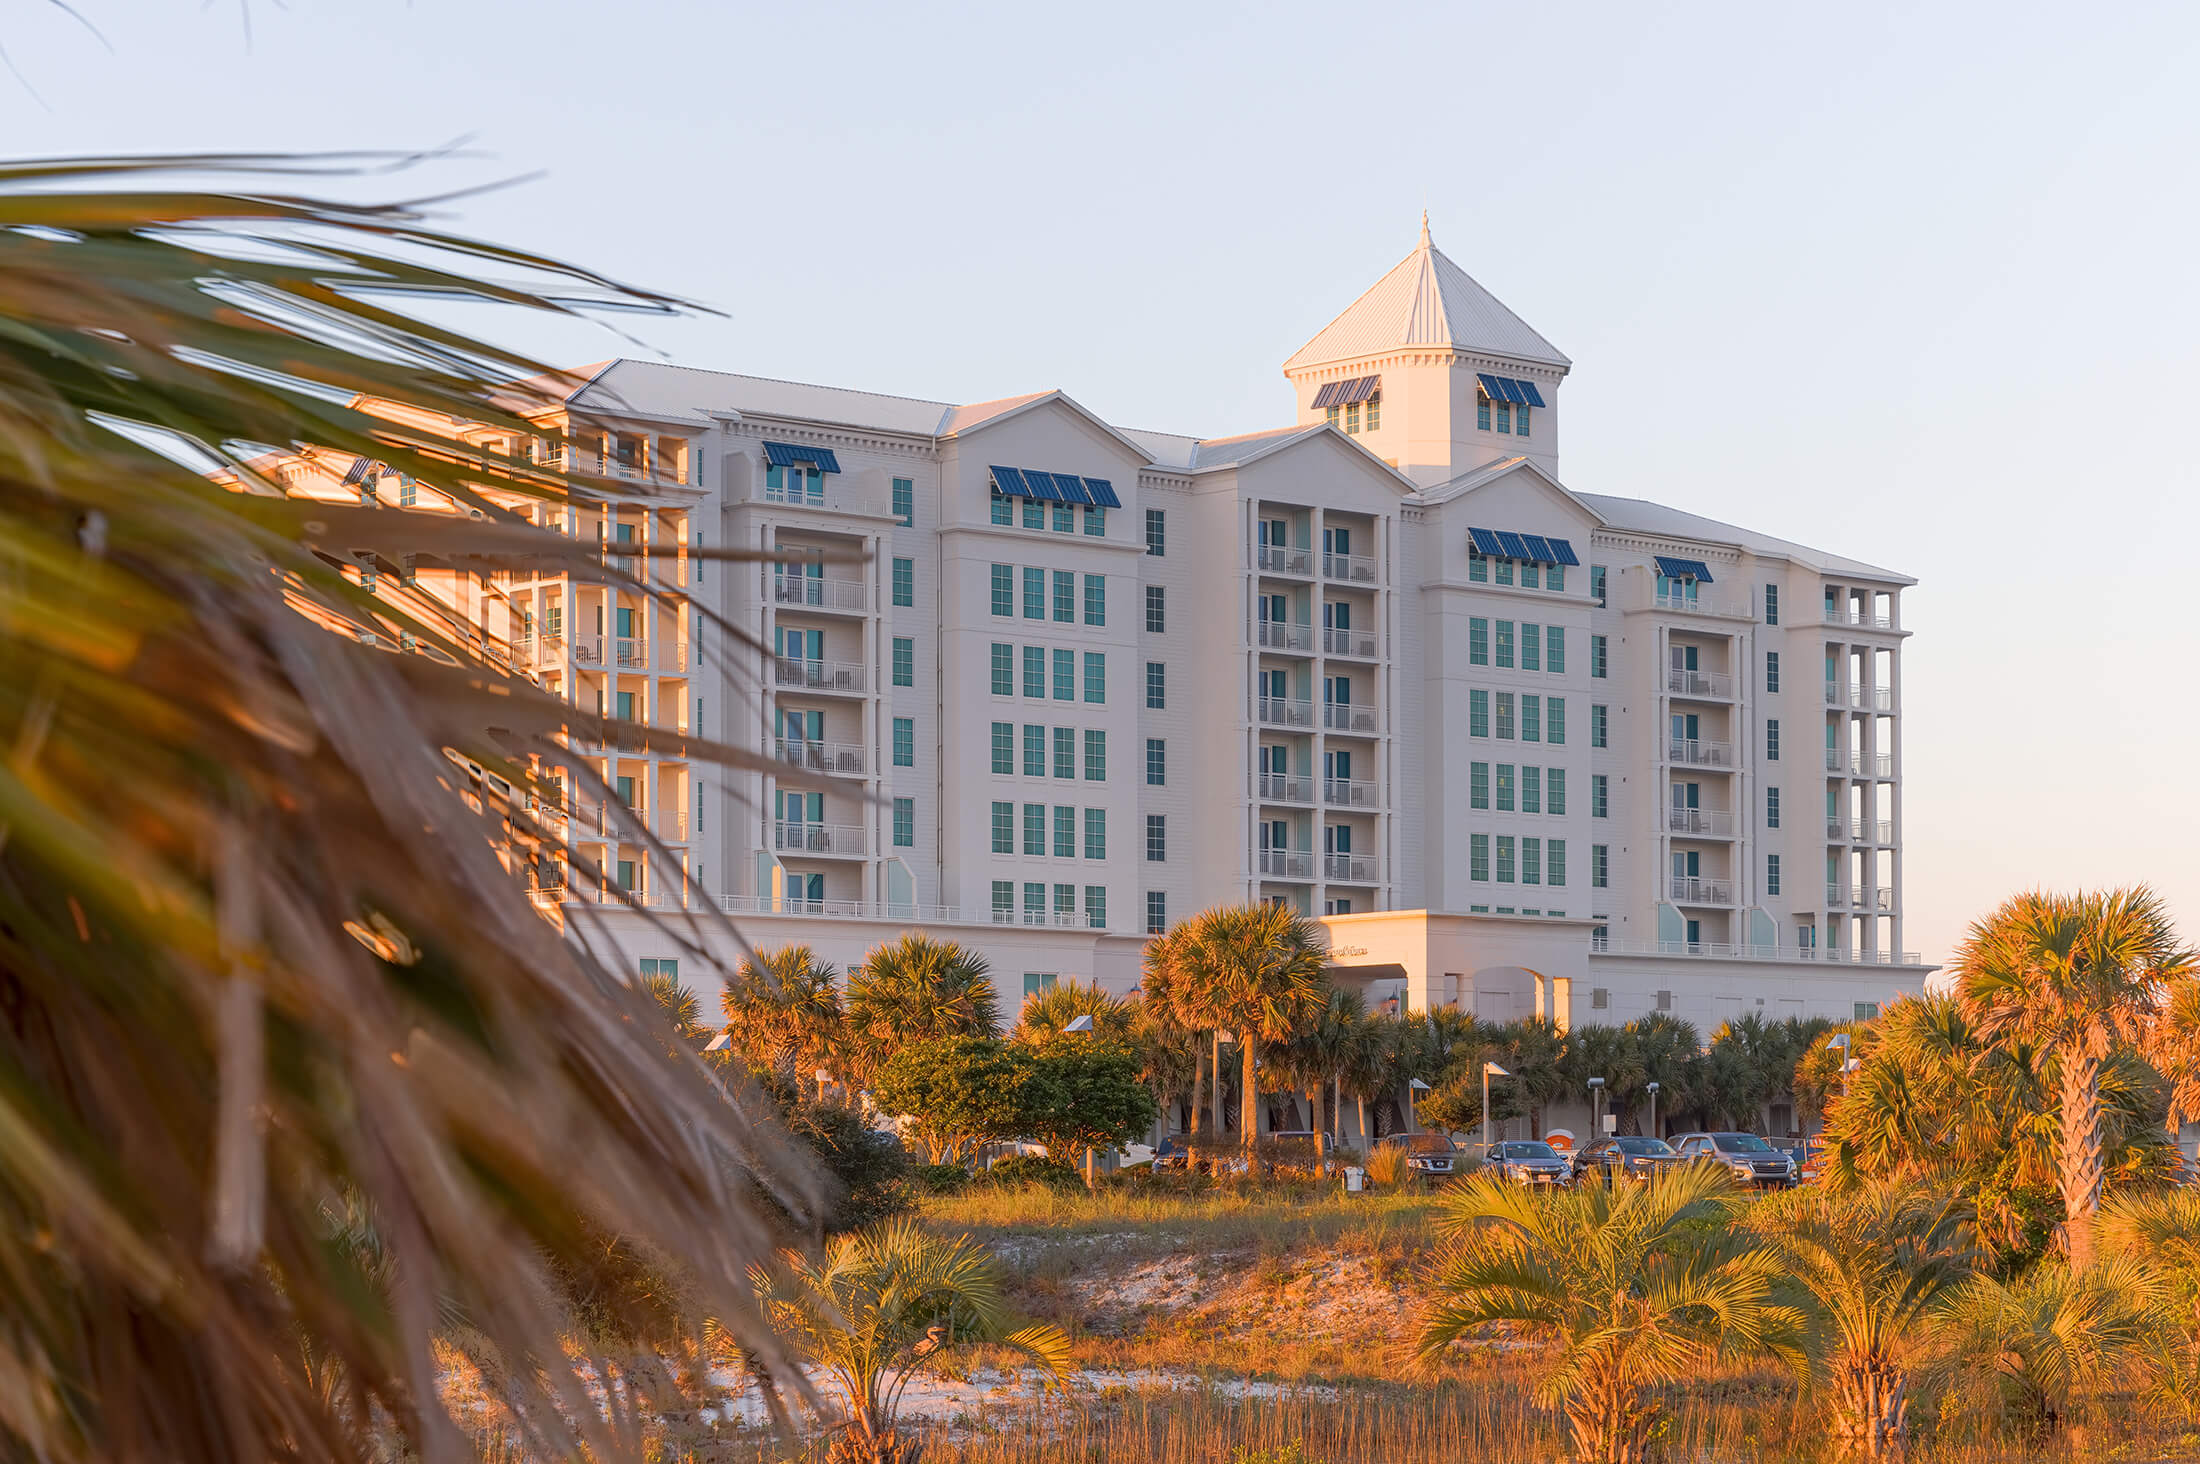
{"x":1103,"y":492}
{"x":1515,"y":546}
{"x":1009,"y":482}
{"x":1694,"y":569}
{"x":1073,"y":487}
{"x":1485,"y":541}
{"x":1042,"y":486}
{"x":1530,"y":548}
{"x":1539,"y":549}
{"x":1565,"y":552}
{"x":1527,"y":389}
{"x":794,"y":454}
{"x":1508,"y":389}
{"x":1344,"y":393}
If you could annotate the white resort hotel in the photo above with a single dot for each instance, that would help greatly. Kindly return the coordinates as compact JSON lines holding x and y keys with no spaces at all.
{"x":1043,"y":684}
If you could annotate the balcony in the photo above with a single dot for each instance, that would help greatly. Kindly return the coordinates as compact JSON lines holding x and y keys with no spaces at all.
{"x":848,"y":676}
{"x":1282,"y":559}
{"x":1350,"y":717}
{"x":1360,"y":643}
{"x":1689,"y":890}
{"x":1690,"y":752}
{"x":1836,"y":827}
{"x":1278,"y":711}
{"x":1287,"y":863}
{"x":1714,"y":823}
{"x":1351,"y":792}
{"x":1354,"y":569}
{"x":1712,"y":685}
{"x":1830,"y":955}
{"x":844,"y":759}
{"x":1283,"y":635}
{"x":834,"y":909}
{"x":1881,"y":898}
{"x":631,"y":653}
{"x":1833,"y":760}
{"x":1836,"y":897}
{"x":1852,"y":615}
{"x":812,"y":593}
{"x":1351,"y":868}
{"x":591,"y":822}
{"x":817,"y":838}
{"x":1050,"y":919}
{"x":1283,"y":787}
{"x":1860,"y":698}
{"x":1872,"y":831}
{"x":1704,"y":605}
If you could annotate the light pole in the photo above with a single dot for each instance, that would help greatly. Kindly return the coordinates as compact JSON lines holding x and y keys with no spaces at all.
{"x":1489,"y":1070}
{"x":1081,"y":1025}
{"x":1596,"y":1109}
{"x":1653,"y":1087}
{"x":1413,"y":1105}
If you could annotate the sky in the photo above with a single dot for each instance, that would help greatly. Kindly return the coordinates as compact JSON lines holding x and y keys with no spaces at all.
{"x":1911,"y":283}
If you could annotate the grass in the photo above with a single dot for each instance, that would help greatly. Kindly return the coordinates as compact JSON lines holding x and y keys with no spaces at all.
{"x":1224,"y":1218}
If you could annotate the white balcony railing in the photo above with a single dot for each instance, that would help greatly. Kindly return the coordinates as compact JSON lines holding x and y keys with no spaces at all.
{"x":1716,"y":822}
{"x":1351,"y":868}
{"x":1852,"y":615}
{"x":1873,"y":831}
{"x":1698,"y":754}
{"x":1881,"y":898}
{"x":819,"y":757}
{"x":1283,"y":787}
{"x":1278,"y":711}
{"x":820,"y":594}
{"x":821,"y":675}
{"x":1358,"y":569}
{"x":1052,"y":919}
{"x":1359,"y":643}
{"x":816,"y":838}
{"x":1716,"y":685}
{"x":1860,"y":698}
{"x":1833,"y":759}
{"x":1836,"y":897}
{"x":1610,"y":947}
{"x":1283,"y":559}
{"x":1700,"y":604}
{"x":1283,"y":635}
{"x":1349,"y":717}
{"x":1836,"y":827}
{"x":834,"y":909}
{"x":1690,"y":890}
{"x":1287,"y":863}
{"x":630,"y":653}
{"x":611,"y":821}
{"x":1351,"y":792}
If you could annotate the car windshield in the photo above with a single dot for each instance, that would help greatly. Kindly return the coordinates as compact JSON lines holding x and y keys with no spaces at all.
{"x":1644,"y":1146}
{"x":1428,"y":1144}
{"x":1742,"y":1144}
{"x":1528,"y":1151}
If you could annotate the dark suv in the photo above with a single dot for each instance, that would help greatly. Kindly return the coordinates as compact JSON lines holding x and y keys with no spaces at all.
{"x":1747,"y":1157}
{"x":1434,"y":1155}
{"x":1629,"y":1157}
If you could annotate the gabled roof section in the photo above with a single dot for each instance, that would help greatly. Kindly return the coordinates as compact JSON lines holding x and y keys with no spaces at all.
{"x":986,"y":413}
{"x":1217,"y":453}
{"x":1426,"y":301}
{"x":1640,"y":516}
{"x":1466,"y":483}
{"x":689,"y":393}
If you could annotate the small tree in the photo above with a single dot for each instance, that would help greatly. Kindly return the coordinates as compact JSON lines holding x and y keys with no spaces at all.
{"x":913,"y":989}
{"x":2025,"y":1351}
{"x":1084,"y":1095}
{"x":952,"y":1093}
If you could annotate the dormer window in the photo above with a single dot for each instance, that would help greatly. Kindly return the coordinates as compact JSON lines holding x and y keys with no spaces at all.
{"x":1352,"y":406}
{"x":1503,"y":404}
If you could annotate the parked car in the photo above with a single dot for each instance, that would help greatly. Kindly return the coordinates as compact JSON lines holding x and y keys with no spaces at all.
{"x":1628,"y":1157}
{"x":1294,"y":1150}
{"x":1528,"y":1161}
{"x":1808,"y":1157}
{"x":1173,"y":1153}
{"x":1434,"y":1155}
{"x":1748,"y":1157}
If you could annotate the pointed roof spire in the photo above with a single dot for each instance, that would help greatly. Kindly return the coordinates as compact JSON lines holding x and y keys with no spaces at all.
{"x":1426,"y":300}
{"x":1426,"y":243}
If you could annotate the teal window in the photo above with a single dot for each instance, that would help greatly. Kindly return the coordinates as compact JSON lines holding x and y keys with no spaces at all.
{"x":1504,"y":571}
{"x":1506,"y":791}
{"x":1504,"y":417}
{"x":1037,"y":983}
{"x":1772,"y":808}
{"x":1554,"y":791}
{"x":1554,"y":647}
{"x":1157,"y":838}
{"x":1600,"y":787}
{"x":1554,"y":720}
{"x":1482,"y":411}
{"x":1772,"y":604}
{"x":1157,"y":912}
{"x":1065,"y":831}
{"x":1096,"y":599}
{"x":1035,"y":902}
{"x":1157,"y":686}
{"x":1004,"y":590}
{"x":1004,"y":898}
{"x":1096,"y":756}
{"x":1772,"y":874}
{"x":905,"y":661}
{"x":1065,"y":752}
{"x":1156,"y":610}
{"x":1035,"y":594}
{"x":1065,"y":676}
{"x":1035,"y":671}
{"x":1065,"y":518}
{"x":1531,"y":647}
{"x":1478,"y":785}
{"x":1004,"y":834}
{"x":1554,"y":863}
{"x":905,"y":502}
{"x":1520,"y":421}
{"x":1531,"y":789}
{"x":905,"y":823}
{"x":1096,"y":833}
{"x":1478,"y":857}
{"x":1772,"y":671}
{"x":1478,"y":640}
{"x":1096,"y":677}
{"x":1504,"y":643}
{"x":1035,"y":514}
{"x":1528,"y":576}
{"x":1531,"y":718}
{"x":1600,"y":866}
{"x":1772,"y":739}
{"x":1035,"y":750}
{"x":1531,"y":861}
{"x":1596,"y":583}
{"x":1505,"y":716}
{"x":1096,"y":900}
{"x":1600,"y":725}
{"x":1157,"y":763}
{"x":1004,"y":510}
{"x":1478,"y":566}
{"x":1555,"y":580}
{"x":905,"y":582}
{"x":1505,"y":859}
{"x":1065,"y":596}
{"x":1004,"y":669}
{"x":905,"y":742}
{"x":1478,"y":713}
{"x":1157,"y":532}
{"x":1004,"y":748}
{"x":1096,"y":522}
{"x":1596,"y":657}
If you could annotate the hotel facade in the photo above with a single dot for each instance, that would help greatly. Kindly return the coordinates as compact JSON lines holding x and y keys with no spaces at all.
{"x":1045,"y":684}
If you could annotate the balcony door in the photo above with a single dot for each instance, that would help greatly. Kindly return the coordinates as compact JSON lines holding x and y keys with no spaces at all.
{"x":1684,"y":727}
{"x":1688,"y":865}
{"x":1337,"y":766}
{"x":1687,"y":795}
{"x":1336,"y":615}
{"x":1336,"y":838}
{"x":1336,"y":541}
{"x":1275,"y":834}
{"x":1276,"y":684}
{"x":1274,"y":609}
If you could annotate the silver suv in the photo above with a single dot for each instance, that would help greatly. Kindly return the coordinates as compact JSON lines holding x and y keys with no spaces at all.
{"x":1746,"y":1156}
{"x":1528,"y":1161}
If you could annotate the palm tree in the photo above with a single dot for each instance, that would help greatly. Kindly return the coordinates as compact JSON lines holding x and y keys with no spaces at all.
{"x":1533,"y":1050}
{"x":2075,"y":976}
{"x":1165,"y":997}
{"x":1046,"y":1013}
{"x":2172,"y":1045}
{"x":884,"y":1306}
{"x":914,"y":989}
{"x":1314,"y":1058}
{"x":2026,"y":1350}
{"x":1875,"y":1262}
{"x":1634,"y":1287}
{"x":784,"y":1013}
{"x":1663,"y":1049}
{"x":1256,"y":970}
{"x":678,"y":1005}
{"x":2160,"y":1231}
{"x":265,"y":840}
{"x":1364,"y":1066}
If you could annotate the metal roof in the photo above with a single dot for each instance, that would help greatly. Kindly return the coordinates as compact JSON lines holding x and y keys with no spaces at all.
{"x":1636,"y":515}
{"x":1426,"y":300}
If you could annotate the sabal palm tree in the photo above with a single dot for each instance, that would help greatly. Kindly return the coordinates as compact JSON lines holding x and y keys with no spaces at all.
{"x":1875,"y":1262}
{"x":784,"y":1013}
{"x":1046,"y":1013}
{"x":2027,"y":1350}
{"x":2074,"y":975}
{"x":1659,"y":1048}
{"x":884,"y":1306}
{"x":1257,"y":971}
{"x":1633,"y":1287}
{"x":2159,"y":1230}
{"x":913,"y":989}
{"x":1313,"y":1058}
{"x":267,"y":941}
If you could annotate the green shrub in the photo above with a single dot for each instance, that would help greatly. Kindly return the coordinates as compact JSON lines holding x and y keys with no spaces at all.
{"x":1019,"y":1171}
{"x":941,"y":1179}
{"x":869,"y":1171}
{"x":1386,"y":1166}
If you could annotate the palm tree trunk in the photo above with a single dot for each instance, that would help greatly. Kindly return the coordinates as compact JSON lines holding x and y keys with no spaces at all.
{"x":2081,"y":1143}
{"x":1249,"y":1100}
{"x":1199,"y":1111}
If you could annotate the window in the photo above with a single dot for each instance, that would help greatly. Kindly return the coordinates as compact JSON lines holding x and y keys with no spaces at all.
{"x":1065,"y":831}
{"x":1772,"y":671}
{"x":1772,"y":604}
{"x":1867,"y":1011}
{"x":1520,"y":421}
{"x":1554,"y":648}
{"x":1596,"y":583}
{"x":1554,"y":791}
{"x":1531,"y":718}
{"x":1157,"y":677}
{"x":1505,"y":859}
{"x":1004,"y":590}
{"x":905,"y":742}
{"x":1531,"y":789}
{"x":1096,"y":521}
{"x":1478,"y":857}
{"x":1035,"y":594}
{"x":1096,"y":833}
{"x":1004,"y":834}
{"x":1035,"y":671}
{"x":1478,"y":785}
{"x":1035,"y":750}
{"x":905,"y":580}
{"x":1065,"y":752}
{"x":1482,"y":411}
{"x":1554,"y":863}
{"x":1478,"y":566}
{"x":1156,"y":618}
{"x":1157,"y":912}
{"x":1096,"y":599}
{"x":660,"y":966}
{"x":1035,"y":514}
{"x":1157,"y":838}
{"x":1505,"y":715}
{"x":905,"y":822}
{"x":1531,"y":647}
{"x":1505,"y":781}
{"x":1157,"y":538}
{"x":905,"y":661}
{"x":1004,"y":510}
{"x":1036,"y":983}
{"x":1528,"y":575}
{"x":1772,"y":874}
{"x":1596,"y":657}
{"x":1555,"y":579}
{"x":1772,"y":808}
{"x":1004,"y":748}
{"x":1599,"y":725}
{"x":1600,"y":866}
{"x":905,"y":502}
{"x":1096,"y":755}
{"x":1065,"y":596}
{"x":1374,"y":413}
{"x":1004,"y":900}
{"x":1554,"y":720}
{"x":1772,"y":739}
{"x":1352,"y":418}
{"x":1504,"y":643}
{"x":1065,"y":518}
{"x":1065,"y":675}
{"x":1600,"y":787}
{"x":1478,"y":713}
{"x":1157,"y":763}
{"x":1096,"y":677}
{"x":1004,"y":669}
{"x":1478,"y":640}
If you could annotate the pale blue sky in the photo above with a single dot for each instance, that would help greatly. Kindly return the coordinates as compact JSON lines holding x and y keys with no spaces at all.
{"x":1911,"y":283}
